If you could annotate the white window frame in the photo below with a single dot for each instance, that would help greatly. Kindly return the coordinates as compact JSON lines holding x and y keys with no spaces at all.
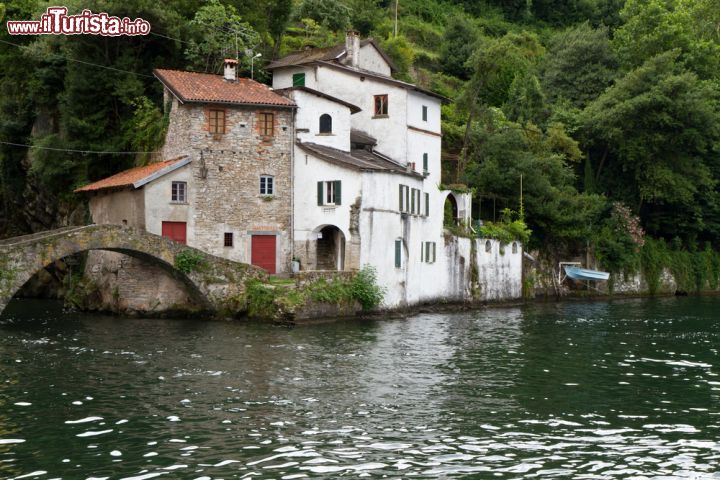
{"x":267,"y":182}
{"x":178,"y":194}
{"x":329,"y":193}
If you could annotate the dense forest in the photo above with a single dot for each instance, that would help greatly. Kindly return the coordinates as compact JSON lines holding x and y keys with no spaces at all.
{"x":608,"y":110}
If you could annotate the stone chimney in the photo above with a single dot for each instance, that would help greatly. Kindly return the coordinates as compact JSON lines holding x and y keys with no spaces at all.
{"x":230,"y":74}
{"x":352,"y":48}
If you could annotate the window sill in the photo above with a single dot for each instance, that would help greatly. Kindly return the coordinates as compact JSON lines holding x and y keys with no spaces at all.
{"x":179,"y":203}
{"x":266,"y":197}
{"x":381,"y":116}
{"x":325,"y":135}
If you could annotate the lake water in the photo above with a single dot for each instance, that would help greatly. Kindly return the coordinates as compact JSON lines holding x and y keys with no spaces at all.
{"x":626,"y":389}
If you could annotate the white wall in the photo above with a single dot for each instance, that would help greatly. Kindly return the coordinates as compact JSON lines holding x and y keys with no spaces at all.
{"x":308,"y":214}
{"x":282,"y":77}
{"x":390,"y":131}
{"x":159,"y":207}
{"x":499,"y":270}
{"x":416,"y":100}
{"x":310,"y":108}
{"x":370,"y":59}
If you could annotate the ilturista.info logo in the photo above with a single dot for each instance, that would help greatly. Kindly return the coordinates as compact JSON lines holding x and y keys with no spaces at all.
{"x":56,"y":21}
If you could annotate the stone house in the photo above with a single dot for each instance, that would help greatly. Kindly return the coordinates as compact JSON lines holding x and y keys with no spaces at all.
{"x":229,"y":191}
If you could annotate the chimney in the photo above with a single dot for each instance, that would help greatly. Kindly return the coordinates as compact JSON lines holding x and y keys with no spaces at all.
{"x":352,"y":48}
{"x":230,"y":70}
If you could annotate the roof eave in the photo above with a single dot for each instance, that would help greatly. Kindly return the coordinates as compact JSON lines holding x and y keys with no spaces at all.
{"x":384,"y":78}
{"x":162,"y":172}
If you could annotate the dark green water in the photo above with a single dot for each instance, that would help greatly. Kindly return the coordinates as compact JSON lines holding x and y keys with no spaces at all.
{"x":627,"y":389}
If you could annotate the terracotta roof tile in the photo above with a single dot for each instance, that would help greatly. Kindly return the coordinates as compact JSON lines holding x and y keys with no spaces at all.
{"x":209,"y":88}
{"x":128,"y":177}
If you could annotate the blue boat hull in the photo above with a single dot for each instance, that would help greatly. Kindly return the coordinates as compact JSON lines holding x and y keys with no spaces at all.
{"x":577,"y":273}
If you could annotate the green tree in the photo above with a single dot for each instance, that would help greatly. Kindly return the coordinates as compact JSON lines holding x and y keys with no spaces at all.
{"x":332,"y":15}
{"x":554,"y":210}
{"x":219,"y":32}
{"x":655,"y":26}
{"x":579,"y":65}
{"x":461,"y":36}
{"x":654,"y":135}
{"x":526,"y":100}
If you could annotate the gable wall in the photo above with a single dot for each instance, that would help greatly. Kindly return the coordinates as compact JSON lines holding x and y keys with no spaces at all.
{"x":370,"y":59}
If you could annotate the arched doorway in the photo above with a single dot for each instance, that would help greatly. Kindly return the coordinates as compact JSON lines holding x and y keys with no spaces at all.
{"x":450,"y":217}
{"x":330,"y":253}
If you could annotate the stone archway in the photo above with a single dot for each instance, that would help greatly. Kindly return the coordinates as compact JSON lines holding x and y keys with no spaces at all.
{"x":218,"y":286}
{"x":451,"y":215}
{"x":330,"y":248}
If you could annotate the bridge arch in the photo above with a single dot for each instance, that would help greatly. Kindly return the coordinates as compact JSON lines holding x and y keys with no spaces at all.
{"x":218,"y":286}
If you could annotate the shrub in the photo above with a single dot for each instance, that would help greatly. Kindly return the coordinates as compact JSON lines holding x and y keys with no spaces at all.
{"x":365,"y":290}
{"x":188,"y":261}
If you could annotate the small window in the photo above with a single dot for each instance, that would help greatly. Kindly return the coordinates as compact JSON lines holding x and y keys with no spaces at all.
{"x":398,"y":253}
{"x":427,"y":252}
{"x":298,"y":79}
{"x":381,"y":105}
{"x":265,"y":124}
{"x":514,"y":247}
{"x":228,"y":239}
{"x":325,"y":123}
{"x":267,"y":185}
{"x":329,"y":193}
{"x":404,"y":205}
{"x":216,"y":121}
{"x":179,"y":192}
{"x":425,"y":163}
{"x":488,"y":246}
{"x":424,"y":113}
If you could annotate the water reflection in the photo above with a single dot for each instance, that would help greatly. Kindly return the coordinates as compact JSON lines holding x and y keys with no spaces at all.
{"x":626,"y":389}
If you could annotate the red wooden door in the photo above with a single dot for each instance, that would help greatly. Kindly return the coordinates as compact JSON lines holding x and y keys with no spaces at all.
{"x":175,"y":231}
{"x":263,"y":252}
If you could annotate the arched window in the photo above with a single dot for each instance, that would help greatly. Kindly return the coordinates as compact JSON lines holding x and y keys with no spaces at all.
{"x":325,"y":123}
{"x":514,"y":247}
{"x":488,"y":246}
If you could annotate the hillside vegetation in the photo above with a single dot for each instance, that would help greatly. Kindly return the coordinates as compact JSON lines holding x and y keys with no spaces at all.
{"x":609,"y":111}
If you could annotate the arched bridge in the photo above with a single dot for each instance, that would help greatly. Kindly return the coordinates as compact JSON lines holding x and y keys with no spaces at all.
{"x":217,"y":284}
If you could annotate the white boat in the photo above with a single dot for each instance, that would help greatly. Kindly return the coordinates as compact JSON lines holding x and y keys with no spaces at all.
{"x":577,"y":273}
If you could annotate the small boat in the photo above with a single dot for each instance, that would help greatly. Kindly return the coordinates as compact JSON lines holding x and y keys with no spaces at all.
{"x":577,"y":273}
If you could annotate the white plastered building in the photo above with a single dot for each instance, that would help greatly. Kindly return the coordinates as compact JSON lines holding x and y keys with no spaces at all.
{"x":367,"y":174}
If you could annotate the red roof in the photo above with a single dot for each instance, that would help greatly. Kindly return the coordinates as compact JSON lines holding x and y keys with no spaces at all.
{"x":209,"y":88}
{"x":129,"y":177}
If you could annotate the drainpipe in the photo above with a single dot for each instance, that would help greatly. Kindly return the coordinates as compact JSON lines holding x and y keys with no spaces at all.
{"x":292,"y":187}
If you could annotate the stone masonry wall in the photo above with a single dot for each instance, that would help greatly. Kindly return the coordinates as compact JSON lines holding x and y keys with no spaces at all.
{"x":226,"y":176}
{"x":130,"y":285}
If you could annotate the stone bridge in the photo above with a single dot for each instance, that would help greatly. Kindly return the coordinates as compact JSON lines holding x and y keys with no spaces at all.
{"x":217,"y":285}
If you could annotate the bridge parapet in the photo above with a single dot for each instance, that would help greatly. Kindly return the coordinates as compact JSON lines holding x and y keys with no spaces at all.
{"x":216,"y":284}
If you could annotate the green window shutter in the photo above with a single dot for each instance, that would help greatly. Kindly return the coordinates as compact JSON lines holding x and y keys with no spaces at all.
{"x":412,"y":202}
{"x":427,"y":204}
{"x":422,"y":251}
{"x":298,"y":79}
{"x":427,"y":252}
{"x":320,"y":193}
{"x":433,"y":251}
{"x":407,"y":198}
{"x":400,"y":203}
{"x":425,"y":162}
{"x":338,"y":192}
{"x":398,"y":253}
